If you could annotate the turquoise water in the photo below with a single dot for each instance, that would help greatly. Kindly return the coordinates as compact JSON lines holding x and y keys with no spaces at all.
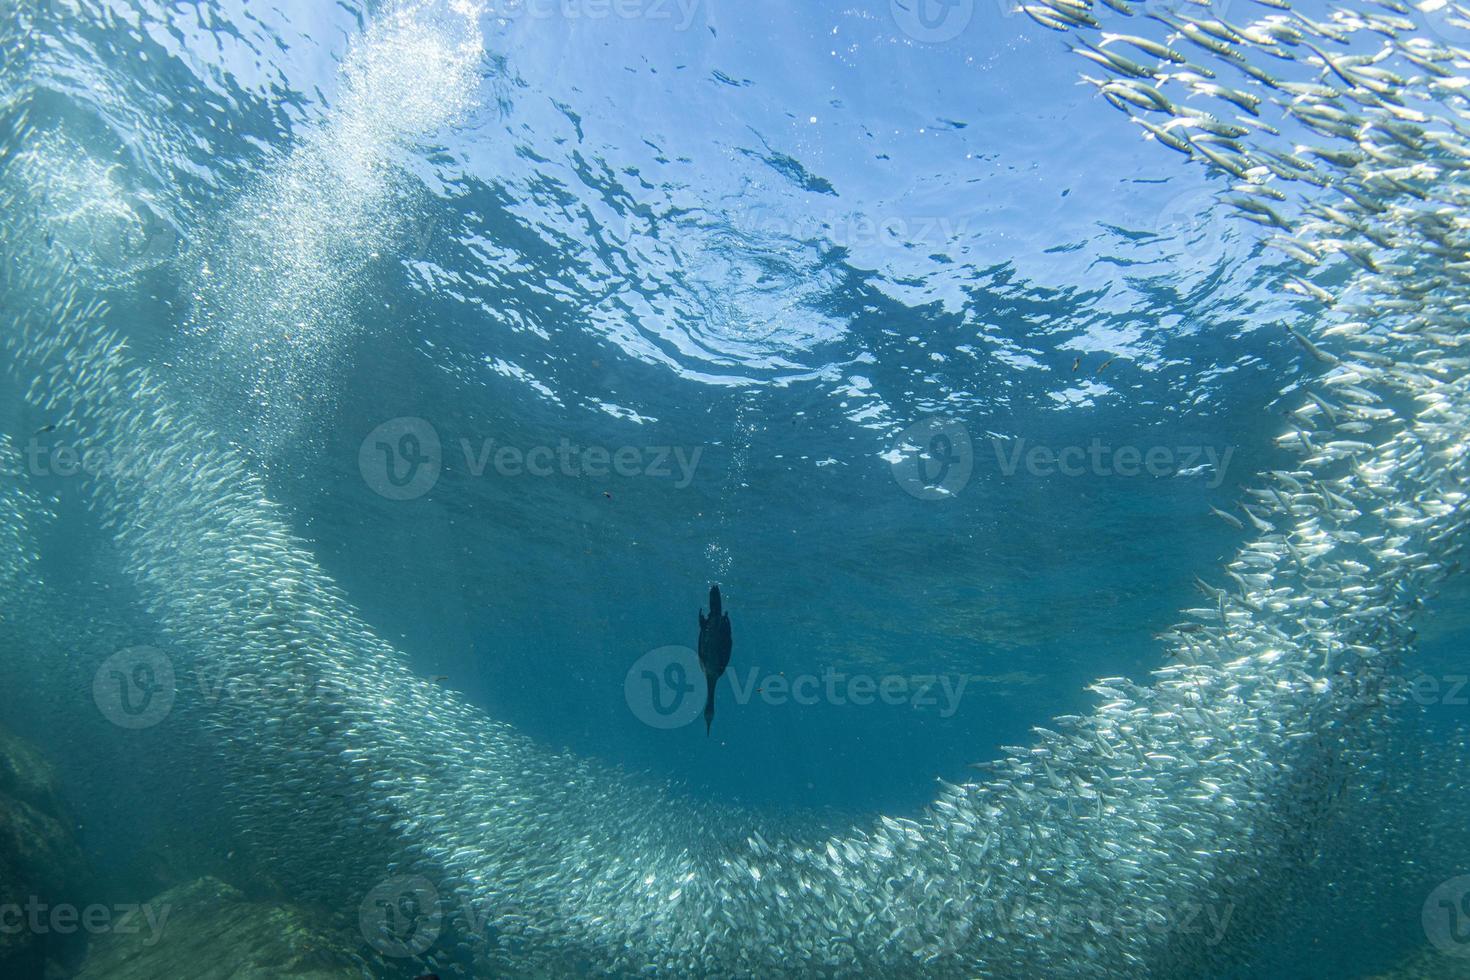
{"x":388,"y":384}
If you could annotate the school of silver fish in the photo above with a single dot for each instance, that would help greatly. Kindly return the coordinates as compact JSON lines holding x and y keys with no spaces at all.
{"x":1113,"y":844}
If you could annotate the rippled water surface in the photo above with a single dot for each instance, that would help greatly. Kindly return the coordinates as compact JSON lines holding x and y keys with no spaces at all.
{"x":452,"y":350}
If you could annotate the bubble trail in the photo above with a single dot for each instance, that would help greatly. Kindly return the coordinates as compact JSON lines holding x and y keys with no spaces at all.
{"x":1081,"y":855}
{"x":276,"y":282}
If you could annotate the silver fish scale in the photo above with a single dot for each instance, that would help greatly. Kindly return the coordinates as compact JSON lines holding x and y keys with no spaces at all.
{"x":1199,"y":792}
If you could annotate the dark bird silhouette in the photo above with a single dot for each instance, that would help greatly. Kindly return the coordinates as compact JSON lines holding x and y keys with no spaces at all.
{"x":714,"y":650}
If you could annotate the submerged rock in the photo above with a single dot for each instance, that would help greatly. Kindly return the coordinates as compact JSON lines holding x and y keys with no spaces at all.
{"x":1428,"y":964}
{"x":208,"y":930}
{"x":41,"y":864}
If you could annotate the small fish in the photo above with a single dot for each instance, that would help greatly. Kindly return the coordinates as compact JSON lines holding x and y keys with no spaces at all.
{"x":1297,"y":284}
{"x":1311,"y":348}
{"x":1160,"y":51}
{"x":43,"y":430}
{"x":1263,"y":526}
{"x":1076,"y":364}
{"x":1104,"y":365}
{"x":1230,"y":519}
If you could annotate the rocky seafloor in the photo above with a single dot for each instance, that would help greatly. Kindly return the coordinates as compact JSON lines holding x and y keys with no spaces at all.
{"x":41,"y":862}
{"x":205,"y":929}
{"x":213,"y":932}
{"x":202,"y":928}
{"x":1428,"y":964}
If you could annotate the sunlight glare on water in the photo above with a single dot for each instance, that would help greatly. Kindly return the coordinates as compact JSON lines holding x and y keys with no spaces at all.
{"x":688,"y":488}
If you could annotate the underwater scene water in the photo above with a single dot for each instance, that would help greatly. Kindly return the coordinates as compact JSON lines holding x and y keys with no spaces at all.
{"x":567,"y":488}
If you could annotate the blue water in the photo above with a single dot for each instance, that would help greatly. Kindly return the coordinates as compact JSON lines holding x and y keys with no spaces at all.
{"x":797,"y":351}
{"x":772,"y":235}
